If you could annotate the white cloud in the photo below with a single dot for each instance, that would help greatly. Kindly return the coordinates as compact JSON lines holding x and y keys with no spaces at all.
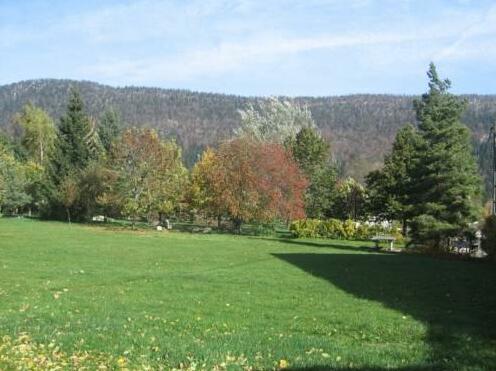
{"x":466,"y":45}
{"x":228,"y":56}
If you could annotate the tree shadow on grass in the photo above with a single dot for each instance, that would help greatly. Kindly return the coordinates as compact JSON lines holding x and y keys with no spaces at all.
{"x":367,"y":368}
{"x":345,"y":245}
{"x":456,"y":300}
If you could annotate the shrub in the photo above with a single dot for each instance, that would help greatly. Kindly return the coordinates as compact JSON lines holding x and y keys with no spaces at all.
{"x":338,"y":229}
{"x":333,"y":229}
{"x":349,"y":229}
{"x":305,"y":228}
{"x":364,"y":231}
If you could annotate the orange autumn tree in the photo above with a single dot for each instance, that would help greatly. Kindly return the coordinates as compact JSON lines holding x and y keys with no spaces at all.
{"x":249,"y":181}
{"x":205,"y":191}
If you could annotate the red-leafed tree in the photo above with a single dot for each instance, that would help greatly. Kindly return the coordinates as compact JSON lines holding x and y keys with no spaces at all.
{"x":282,"y":181}
{"x":250,"y":181}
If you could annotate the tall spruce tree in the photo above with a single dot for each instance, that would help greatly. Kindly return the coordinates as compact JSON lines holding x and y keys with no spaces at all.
{"x":445,"y":184}
{"x":77,"y":145}
{"x":74,"y":150}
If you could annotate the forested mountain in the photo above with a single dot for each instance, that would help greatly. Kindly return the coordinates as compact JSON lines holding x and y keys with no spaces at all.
{"x":360,"y":128}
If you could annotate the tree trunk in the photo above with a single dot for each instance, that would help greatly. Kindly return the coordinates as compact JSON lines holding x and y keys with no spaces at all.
{"x":237,"y":225}
{"x":68,"y":215}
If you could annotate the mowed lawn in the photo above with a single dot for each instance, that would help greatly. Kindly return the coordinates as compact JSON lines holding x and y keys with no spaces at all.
{"x":90,"y":296}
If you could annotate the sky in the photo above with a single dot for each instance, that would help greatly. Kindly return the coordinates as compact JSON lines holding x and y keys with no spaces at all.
{"x":244,"y":47}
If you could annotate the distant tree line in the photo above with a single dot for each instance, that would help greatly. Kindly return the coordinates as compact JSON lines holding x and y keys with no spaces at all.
{"x":359,"y":128}
{"x":277,"y":167}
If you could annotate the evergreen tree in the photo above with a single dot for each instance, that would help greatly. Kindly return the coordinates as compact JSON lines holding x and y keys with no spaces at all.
{"x":312,"y":153}
{"x":320,"y":195}
{"x":485,"y":160}
{"x":389,"y":187}
{"x":73,"y":142}
{"x":309,"y":149}
{"x":445,"y":183}
{"x":77,"y":145}
{"x":109,"y":129}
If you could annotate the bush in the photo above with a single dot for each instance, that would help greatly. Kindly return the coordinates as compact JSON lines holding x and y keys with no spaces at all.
{"x":337,"y":229}
{"x":489,"y":237}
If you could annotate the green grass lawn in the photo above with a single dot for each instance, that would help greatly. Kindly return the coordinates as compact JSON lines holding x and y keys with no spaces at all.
{"x":80,"y":295}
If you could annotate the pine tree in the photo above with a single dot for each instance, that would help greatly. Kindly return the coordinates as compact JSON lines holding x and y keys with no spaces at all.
{"x":445,"y":183}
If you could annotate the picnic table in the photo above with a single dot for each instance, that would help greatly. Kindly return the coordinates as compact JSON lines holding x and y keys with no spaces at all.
{"x":384,"y":238}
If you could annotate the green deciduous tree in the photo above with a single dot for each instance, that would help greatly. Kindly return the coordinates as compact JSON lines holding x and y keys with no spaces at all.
{"x":13,"y":183}
{"x":38,"y":137}
{"x":92,"y":182}
{"x":68,"y":193}
{"x":39,"y":133}
{"x":350,"y":200}
{"x":149,"y":175}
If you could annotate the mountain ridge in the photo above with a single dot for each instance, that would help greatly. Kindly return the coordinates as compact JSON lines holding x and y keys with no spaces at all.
{"x":360,"y":127}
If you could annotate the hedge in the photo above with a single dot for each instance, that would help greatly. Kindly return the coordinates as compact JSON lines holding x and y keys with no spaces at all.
{"x":338,"y":229}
